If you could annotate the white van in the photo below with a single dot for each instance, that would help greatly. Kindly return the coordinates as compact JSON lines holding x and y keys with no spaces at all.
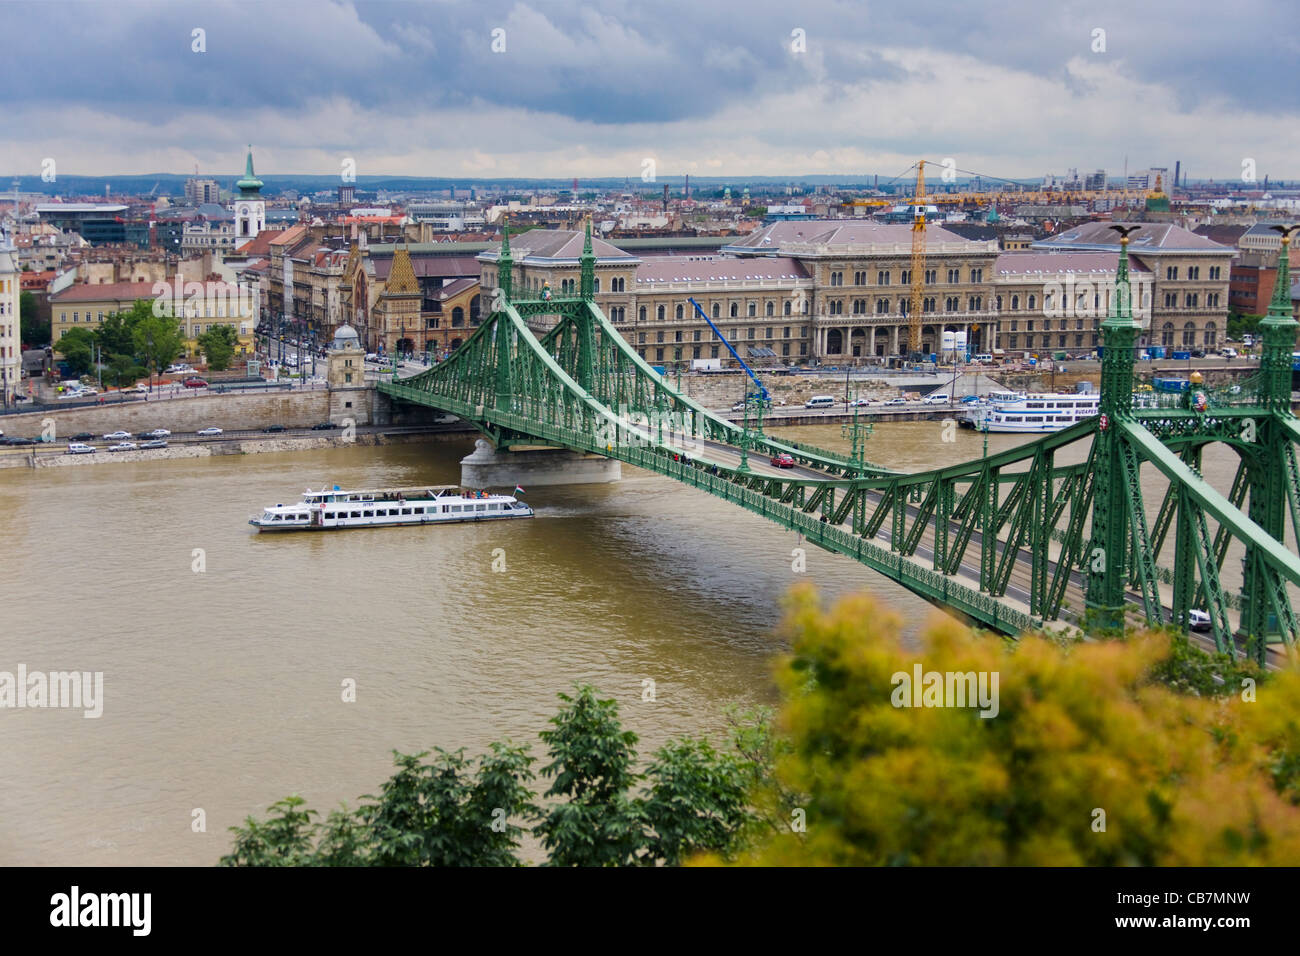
{"x":983,"y":358}
{"x":937,"y":398}
{"x":820,"y":401}
{"x":1228,"y":353}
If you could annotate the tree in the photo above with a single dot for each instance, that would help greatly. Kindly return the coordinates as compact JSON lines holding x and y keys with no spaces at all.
{"x":1090,"y":758}
{"x":77,"y":348}
{"x":435,"y":814}
{"x":597,"y":824}
{"x":33,"y":331}
{"x":116,"y":334}
{"x":157,"y":340}
{"x":123,"y":371}
{"x":218,"y":345}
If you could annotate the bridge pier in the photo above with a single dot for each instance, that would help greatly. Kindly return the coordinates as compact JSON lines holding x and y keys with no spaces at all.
{"x":488,"y":467}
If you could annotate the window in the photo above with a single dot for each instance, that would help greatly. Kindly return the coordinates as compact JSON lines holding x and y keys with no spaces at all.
{"x":837,"y":278}
{"x":659,"y":355}
{"x":1032,"y":300}
{"x":859,"y":306}
{"x":1012,"y":340}
{"x":681,"y":313}
{"x":954,"y":276}
{"x":640,"y":314}
{"x":1189,"y":333}
{"x":661,"y":313}
{"x":1015,"y":303}
{"x":771,"y":308}
{"x":882,"y":277}
{"x":787,"y":308}
{"x":1214,"y":274}
{"x":1171,"y":272}
{"x":696,"y":335}
{"x":1167,"y":334}
{"x":753,"y":309}
{"x":677,"y":336}
{"x":695,"y":351}
{"x":931,"y":276}
{"x":749,"y":334}
{"x":860,"y":278}
{"x":735,"y":310}
{"x":1193,"y":272}
{"x":641,"y":339}
{"x":717,"y":311}
{"x":713,"y":351}
{"x":659,"y":336}
{"x":977,"y":275}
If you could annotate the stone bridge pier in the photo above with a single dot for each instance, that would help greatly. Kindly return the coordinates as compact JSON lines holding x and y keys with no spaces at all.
{"x":488,"y":467}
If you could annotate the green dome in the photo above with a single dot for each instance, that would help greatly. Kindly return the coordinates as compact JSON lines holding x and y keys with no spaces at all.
{"x":250,"y":184}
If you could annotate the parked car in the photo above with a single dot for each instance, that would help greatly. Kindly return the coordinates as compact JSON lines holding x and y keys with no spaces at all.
{"x":135,"y":390}
{"x":156,"y":433}
{"x":123,"y":446}
{"x":117,"y":435}
{"x":209,"y":432}
{"x":782,"y":461}
{"x":323,"y":426}
{"x":159,"y":443}
{"x":82,"y":436}
{"x":970,"y":399}
{"x":78,"y":448}
{"x":896,"y":401}
{"x":273,"y":428}
{"x":17,"y":440}
{"x":196,"y":383}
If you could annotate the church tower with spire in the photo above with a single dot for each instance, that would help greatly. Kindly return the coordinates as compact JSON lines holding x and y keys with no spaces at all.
{"x":250,"y":208}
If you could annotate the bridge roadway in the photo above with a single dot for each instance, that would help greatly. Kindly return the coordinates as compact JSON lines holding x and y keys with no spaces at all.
{"x":1019,"y":584}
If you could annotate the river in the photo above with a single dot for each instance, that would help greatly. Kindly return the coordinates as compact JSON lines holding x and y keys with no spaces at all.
{"x":225,"y":654}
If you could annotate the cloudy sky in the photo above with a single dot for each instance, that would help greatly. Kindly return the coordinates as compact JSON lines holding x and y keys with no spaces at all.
{"x":545,"y":88}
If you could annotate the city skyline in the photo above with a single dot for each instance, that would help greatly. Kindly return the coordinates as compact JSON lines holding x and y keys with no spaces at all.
{"x":518,"y":90}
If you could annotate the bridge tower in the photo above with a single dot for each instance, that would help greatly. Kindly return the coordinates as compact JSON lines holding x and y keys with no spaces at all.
{"x":1107,"y":560}
{"x":584,"y":322}
{"x":505,"y":283}
{"x":1271,"y":463}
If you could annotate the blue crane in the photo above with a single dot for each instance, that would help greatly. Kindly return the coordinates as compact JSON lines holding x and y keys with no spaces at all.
{"x":762,"y":391}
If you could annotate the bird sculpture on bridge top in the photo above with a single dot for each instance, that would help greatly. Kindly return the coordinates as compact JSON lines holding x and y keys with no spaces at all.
{"x":1125,"y":231}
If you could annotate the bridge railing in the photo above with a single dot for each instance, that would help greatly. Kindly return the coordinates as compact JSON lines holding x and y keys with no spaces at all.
{"x":939,"y":587}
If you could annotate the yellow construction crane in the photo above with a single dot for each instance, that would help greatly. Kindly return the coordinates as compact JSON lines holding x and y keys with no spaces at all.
{"x":915,"y":302}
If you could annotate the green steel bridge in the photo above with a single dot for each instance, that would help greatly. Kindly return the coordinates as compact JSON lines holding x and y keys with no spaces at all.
{"x":1014,"y":541}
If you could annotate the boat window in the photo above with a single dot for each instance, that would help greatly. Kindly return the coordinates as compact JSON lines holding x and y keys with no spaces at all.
{"x":1015,"y":418}
{"x":367,"y":514}
{"x":480,"y":507}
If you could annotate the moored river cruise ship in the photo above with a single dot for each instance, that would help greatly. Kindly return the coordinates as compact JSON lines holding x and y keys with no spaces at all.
{"x":381,"y":507}
{"x":1033,"y":412}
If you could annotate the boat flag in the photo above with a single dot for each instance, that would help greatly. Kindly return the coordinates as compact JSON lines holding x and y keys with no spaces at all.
{"x":518,"y":490}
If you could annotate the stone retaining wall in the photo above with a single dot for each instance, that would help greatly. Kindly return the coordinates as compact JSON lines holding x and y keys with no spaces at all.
{"x":297,"y":409}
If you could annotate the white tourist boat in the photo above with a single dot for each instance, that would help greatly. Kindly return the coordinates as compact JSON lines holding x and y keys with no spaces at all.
{"x":1032,"y":412}
{"x":381,"y":507}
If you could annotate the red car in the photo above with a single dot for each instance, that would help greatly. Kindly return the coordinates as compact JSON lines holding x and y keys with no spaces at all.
{"x":195,"y":383}
{"x":782,"y":461}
